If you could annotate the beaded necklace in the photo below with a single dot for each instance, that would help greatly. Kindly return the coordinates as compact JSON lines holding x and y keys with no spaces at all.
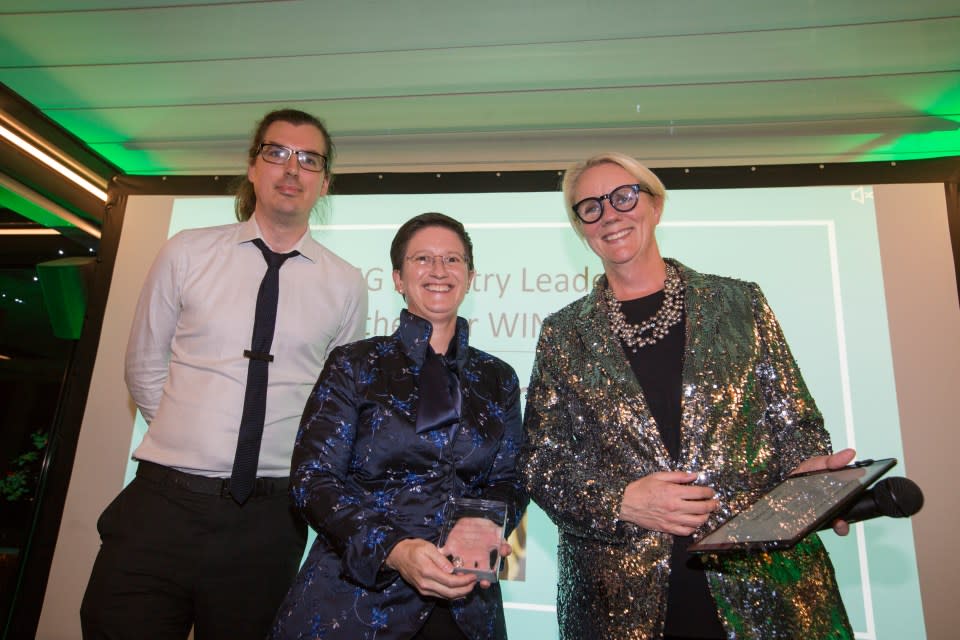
{"x":658,"y":325}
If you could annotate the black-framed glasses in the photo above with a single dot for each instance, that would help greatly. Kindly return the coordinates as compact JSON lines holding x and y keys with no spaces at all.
{"x":623,"y":198}
{"x":448,"y":260}
{"x":279,"y":154}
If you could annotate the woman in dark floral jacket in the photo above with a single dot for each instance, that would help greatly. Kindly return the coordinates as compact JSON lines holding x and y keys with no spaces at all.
{"x":395,"y":427}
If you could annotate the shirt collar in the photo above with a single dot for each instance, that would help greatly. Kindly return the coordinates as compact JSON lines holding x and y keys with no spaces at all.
{"x":414,"y":334}
{"x":307,"y":246}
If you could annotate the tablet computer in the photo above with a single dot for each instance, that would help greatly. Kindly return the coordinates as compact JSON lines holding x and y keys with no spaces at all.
{"x":794,"y":508}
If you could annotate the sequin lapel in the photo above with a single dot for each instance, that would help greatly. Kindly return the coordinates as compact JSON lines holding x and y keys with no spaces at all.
{"x":610,"y":375}
{"x":720,"y":345}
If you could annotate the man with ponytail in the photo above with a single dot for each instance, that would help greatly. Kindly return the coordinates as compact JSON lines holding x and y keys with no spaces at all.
{"x":204,"y":537}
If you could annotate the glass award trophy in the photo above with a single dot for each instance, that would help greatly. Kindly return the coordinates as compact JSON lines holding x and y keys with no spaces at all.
{"x":473,"y":530}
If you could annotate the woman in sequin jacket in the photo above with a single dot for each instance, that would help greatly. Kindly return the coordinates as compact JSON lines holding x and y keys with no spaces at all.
{"x":371,"y":473}
{"x":660,"y":376}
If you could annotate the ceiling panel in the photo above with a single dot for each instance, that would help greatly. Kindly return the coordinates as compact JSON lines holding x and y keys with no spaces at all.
{"x":773,"y":101}
{"x":176,"y":87}
{"x":93,"y":33}
{"x":208,"y":140}
{"x":923,"y":46}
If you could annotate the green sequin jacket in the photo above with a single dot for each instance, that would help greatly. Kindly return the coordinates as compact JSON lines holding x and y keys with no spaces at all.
{"x":747,"y":421}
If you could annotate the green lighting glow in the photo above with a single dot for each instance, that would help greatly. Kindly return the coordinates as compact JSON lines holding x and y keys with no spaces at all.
{"x":29,"y":210}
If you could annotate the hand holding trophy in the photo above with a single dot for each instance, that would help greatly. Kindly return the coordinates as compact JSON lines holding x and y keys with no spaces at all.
{"x":472,"y":537}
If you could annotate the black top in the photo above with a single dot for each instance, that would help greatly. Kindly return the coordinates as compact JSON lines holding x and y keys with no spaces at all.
{"x":691,"y":611}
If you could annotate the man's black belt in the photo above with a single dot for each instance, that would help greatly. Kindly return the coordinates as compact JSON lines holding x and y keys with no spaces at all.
{"x":170,"y":477}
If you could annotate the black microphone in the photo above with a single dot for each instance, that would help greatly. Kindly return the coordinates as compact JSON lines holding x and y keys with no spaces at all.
{"x":892,"y":497}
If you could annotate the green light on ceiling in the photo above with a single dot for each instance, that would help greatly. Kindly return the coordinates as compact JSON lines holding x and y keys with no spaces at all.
{"x":943,"y":138}
{"x":913,"y":146}
{"x":30,"y":210}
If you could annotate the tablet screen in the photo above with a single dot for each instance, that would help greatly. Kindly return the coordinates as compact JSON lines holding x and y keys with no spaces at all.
{"x":795,"y":507}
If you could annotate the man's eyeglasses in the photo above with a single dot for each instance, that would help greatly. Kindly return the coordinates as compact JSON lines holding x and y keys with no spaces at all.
{"x":623,"y":199}
{"x":449,"y":260}
{"x":279,"y":154}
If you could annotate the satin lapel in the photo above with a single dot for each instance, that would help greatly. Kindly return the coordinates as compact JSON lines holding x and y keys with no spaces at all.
{"x":401,"y":387}
{"x":476,"y":410}
{"x":413,"y":338}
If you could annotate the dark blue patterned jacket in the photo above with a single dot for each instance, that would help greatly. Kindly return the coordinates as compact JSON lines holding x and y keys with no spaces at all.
{"x":365,"y":480}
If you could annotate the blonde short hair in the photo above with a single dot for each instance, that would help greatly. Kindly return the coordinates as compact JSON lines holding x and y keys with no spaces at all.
{"x":630,"y":164}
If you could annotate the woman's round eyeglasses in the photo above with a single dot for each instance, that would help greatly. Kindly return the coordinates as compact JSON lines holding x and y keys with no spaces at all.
{"x":623,"y":198}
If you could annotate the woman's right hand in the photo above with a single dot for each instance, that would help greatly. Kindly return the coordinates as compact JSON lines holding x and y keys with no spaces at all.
{"x":428,"y":571}
{"x":666,"y":501}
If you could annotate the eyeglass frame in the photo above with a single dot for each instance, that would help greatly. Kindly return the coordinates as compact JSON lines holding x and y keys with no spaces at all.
{"x":292,"y":152}
{"x":636,"y":188}
{"x":444,"y":257}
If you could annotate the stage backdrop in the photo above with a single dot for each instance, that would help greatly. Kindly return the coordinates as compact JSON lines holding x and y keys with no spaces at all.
{"x":814,"y":251}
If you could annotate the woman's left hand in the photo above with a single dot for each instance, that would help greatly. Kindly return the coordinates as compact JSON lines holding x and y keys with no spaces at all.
{"x":833,"y":461}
